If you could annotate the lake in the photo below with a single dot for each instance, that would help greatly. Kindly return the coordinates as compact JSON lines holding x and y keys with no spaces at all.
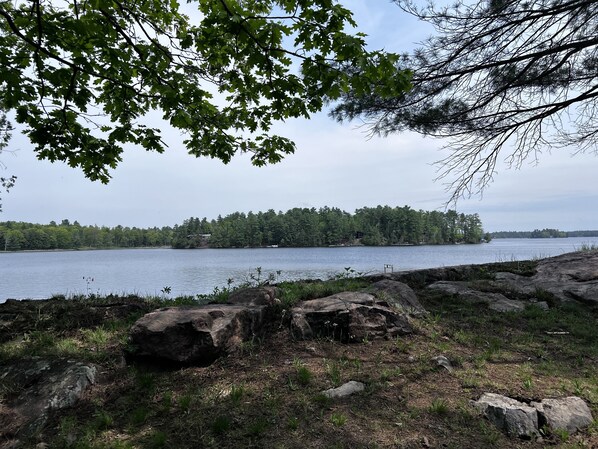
{"x":38,"y":275}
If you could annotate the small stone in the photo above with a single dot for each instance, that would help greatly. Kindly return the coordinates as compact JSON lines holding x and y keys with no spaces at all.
{"x":443,"y":362}
{"x":344,"y":390}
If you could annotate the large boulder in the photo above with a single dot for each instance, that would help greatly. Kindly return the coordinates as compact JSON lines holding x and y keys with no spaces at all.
{"x":347,"y":317}
{"x":513,"y":417}
{"x":199,"y":335}
{"x":570,"y":414}
{"x":34,"y":388}
{"x":398,"y":295}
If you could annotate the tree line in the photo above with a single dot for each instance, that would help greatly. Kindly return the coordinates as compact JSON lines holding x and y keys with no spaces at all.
{"x":15,"y":236}
{"x":381,"y":225}
{"x":542,"y":234}
{"x":303,"y":227}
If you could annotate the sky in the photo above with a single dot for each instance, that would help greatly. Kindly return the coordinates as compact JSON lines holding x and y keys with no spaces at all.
{"x":334,"y":165}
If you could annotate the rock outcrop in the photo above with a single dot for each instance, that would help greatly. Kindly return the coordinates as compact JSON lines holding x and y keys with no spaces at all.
{"x":347,"y":317}
{"x":495,"y":301}
{"x":35,"y":387}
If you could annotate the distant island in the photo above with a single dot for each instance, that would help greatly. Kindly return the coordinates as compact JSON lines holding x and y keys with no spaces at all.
{"x":298,"y":227}
{"x":541,"y":234}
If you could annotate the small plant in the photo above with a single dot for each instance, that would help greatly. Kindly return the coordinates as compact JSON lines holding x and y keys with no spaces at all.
{"x":303,"y":373}
{"x":439,"y":406}
{"x":528,"y":382}
{"x":185,"y":402}
{"x":293,"y":423}
{"x":334,"y":372}
{"x":221,"y":425}
{"x":167,"y":400}
{"x":103,"y":420}
{"x":157,"y":440}
{"x":166,"y":290}
{"x":88,"y":281}
{"x":236,"y":393}
{"x":338,"y":419}
{"x":139,"y":416}
{"x":563,"y":434}
{"x":258,"y":427}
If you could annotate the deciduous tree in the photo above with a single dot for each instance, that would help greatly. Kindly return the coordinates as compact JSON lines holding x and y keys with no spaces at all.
{"x":82,"y":76}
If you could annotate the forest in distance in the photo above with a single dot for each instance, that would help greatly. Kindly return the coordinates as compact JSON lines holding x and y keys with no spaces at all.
{"x":298,"y":227}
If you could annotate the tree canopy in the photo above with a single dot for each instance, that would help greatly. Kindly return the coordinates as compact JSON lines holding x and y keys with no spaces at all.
{"x":82,"y":77}
{"x":6,"y":182}
{"x":515,"y":76}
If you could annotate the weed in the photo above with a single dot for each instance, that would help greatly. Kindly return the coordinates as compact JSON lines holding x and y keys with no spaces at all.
{"x":221,"y":425}
{"x":103,"y":420}
{"x":139,"y":416}
{"x":322,"y":400}
{"x":236,"y":394}
{"x":303,"y":373}
{"x":167,"y":400}
{"x":293,"y":423}
{"x":388,"y":374}
{"x":158,"y":440}
{"x":439,"y":406}
{"x":334,"y":372}
{"x":145,"y":381}
{"x":338,"y":419}
{"x":185,"y":402}
{"x":563,"y":434}
{"x":528,"y":382}
{"x":258,"y":427}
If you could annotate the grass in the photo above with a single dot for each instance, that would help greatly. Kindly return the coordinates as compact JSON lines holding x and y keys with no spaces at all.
{"x":273,"y":389}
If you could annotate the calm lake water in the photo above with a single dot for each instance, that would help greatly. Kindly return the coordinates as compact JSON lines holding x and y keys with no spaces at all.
{"x":39,"y":275}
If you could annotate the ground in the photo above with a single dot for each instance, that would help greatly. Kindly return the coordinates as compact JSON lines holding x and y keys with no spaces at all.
{"x":268,"y":395}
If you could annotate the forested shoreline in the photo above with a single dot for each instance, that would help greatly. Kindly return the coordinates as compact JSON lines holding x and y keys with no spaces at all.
{"x":298,"y":227}
{"x":542,"y":234}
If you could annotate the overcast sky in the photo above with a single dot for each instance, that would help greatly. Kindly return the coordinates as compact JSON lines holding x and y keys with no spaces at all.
{"x":334,"y":165}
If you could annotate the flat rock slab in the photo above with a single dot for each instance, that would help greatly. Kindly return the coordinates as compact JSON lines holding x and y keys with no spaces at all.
{"x":347,"y":317}
{"x":398,"y":295}
{"x":35,"y":388}
{"x":570,"y":413}
{"x":571,"y":276}
{"x":194,"y":335}
{"x":495,"y":301}
{"x":344,"y":390}
{"x":511,"y":416}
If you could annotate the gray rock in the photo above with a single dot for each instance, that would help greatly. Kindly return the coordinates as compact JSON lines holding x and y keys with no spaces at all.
{"x":399,"y":296}
{"x":199,"y":335}
{"x":254,"y":296}
{"x":347,"y":317}
{"x":344,"y":390}
{"x":195,"y":335}
{"x":42,"y":386}
{"x":443,"y":362}
{"x":513,"y":417}
{"x":571,"y":276}
{"x":507,"y":305}
{"x":495,"y":301}
{"x":570,"y":413}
